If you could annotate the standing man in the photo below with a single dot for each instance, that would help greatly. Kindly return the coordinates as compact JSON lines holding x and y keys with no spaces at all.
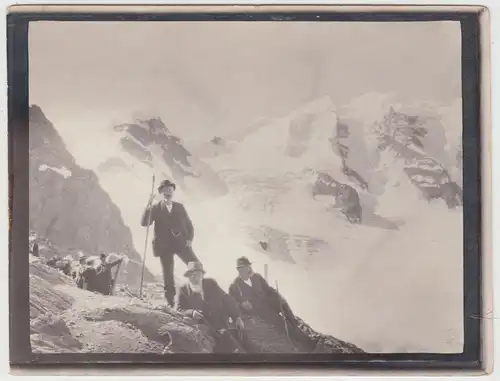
{"x":173,"y":234}
{"x":36,"y":250}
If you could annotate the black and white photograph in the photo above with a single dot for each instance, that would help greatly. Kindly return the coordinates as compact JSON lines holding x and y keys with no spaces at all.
{"x":246,"y":187}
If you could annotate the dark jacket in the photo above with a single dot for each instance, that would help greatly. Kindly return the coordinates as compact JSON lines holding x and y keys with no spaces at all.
{"x":268,"y":304}
{"x":216,"y":306}
{"x":265,"y":300}
{"x":104,"y":278}
{"x":171,"y":229}
{"x":98,"y":279}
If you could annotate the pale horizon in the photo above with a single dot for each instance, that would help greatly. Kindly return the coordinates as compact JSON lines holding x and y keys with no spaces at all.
{"x":205,"y":79}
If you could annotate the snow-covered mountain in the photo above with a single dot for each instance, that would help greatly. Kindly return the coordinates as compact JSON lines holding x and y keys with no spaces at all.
{"x":150,"y":140}
{"x":390,"y":283}
{"x":271,"y":217}
{"x":398,"y":140}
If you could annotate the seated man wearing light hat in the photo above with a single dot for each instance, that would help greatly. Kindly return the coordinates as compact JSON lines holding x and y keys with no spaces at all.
{"x":203,"y":300}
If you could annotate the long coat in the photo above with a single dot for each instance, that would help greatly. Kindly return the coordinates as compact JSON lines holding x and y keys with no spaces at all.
{"x":216,"y":306}
{"x":265,"y":300}
{"x":171,"y":229}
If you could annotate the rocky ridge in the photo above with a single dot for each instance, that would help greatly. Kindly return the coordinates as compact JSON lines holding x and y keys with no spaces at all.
{"x":66,"y":319}
{"x":68,"y":206}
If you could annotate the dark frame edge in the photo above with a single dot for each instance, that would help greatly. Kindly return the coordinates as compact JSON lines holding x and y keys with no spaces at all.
{"x":486,"y":358}
{"x":20,"y":345}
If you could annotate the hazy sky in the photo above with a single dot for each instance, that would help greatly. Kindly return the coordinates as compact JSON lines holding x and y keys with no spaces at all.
{"x":210,"y":78}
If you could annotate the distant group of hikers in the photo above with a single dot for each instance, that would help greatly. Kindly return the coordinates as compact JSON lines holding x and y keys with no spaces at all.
{"x":92,"y":273}
{"x":202,"y":299}
{"x":97,"y":277}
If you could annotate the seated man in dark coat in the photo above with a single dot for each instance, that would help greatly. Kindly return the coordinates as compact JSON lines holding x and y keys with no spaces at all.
{"x":204,"y":301}
{"x":256,"y":297}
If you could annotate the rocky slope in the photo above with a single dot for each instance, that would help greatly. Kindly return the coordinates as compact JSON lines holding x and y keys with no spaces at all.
{"x":66,"y":319}
{"x":67,"y":204}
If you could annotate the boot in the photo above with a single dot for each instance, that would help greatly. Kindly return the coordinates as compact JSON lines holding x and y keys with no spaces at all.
{"x":170,"y":299}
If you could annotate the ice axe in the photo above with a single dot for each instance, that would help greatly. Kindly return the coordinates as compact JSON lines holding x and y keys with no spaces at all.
{"x":146,"y":240}
{"x":283,"y":315}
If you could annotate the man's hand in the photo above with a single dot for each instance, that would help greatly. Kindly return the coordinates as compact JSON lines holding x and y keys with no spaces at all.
{"x":152,"y":199}
{"x":197,"y":315}
{"x":246,"y":305}
{"x":189,"y":243}
{"x":239,"y":323}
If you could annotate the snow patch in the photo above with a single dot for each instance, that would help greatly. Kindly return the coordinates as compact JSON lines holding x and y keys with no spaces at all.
{"x":64,"y":172}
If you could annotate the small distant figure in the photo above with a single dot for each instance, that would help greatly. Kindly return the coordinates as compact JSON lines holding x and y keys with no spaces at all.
{"x":77,"y":270}
{"x":173,"y":234}
{"x":82,"y":258}
{"x":52,"y":261}
{"x":61,"y":264}
{"x":95,"y":274}
{"x":104,"y":278}
{"x":204,"y":301}
{"x":256,"y":297}
{"x":35,"y":250}
{"x":86,"y":274}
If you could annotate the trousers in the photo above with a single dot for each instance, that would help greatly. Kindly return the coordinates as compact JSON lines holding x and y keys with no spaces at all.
{"x":186,"y":254}
{"x":225,"y":342}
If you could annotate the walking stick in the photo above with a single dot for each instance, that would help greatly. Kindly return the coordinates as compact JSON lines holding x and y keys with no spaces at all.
{"x":146,"y":241}
{"x":283,"y":315}
{"x":115,"y":278}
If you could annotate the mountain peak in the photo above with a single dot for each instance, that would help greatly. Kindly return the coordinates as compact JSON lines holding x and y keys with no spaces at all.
{"x":36,"y":114}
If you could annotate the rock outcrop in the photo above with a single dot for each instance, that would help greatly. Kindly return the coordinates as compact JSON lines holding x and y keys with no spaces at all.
{"x":150,"y":140}
{"x":347,"y":199}
{"x":404,"y":135}
{"x":66,"y":319}
{"x":340,"y":145}
{"x":279,"y":245}
{"x":67,"y":204}
{"x":415,"y":139}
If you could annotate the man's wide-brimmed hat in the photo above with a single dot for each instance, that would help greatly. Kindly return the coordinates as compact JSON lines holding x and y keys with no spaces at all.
{"x":194,"y":267}
{"x":243,"y":261}
{"x":166,"y":183}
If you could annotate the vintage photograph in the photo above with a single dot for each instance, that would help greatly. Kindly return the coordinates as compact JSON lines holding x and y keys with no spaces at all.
{"x":245,"y":187}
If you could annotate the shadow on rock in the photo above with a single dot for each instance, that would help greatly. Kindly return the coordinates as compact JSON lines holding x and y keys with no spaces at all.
{"x":376,"y":221}
{"x":166,"y":328}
